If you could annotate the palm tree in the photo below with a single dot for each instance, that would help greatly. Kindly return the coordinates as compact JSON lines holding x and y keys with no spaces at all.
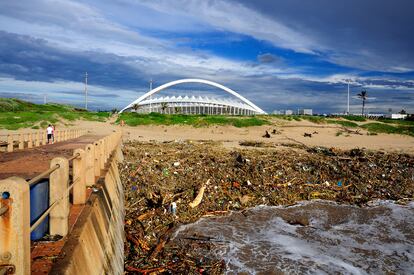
{"x":136,"y":107}
{"x":364,"y":96}
{"x":177,"y":110}
{"x":164,"y":106}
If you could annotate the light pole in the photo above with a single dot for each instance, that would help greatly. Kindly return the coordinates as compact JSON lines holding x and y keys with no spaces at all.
{"x":86,"y":91}
{"x":348,"y":100}
{"x":150,"y":95}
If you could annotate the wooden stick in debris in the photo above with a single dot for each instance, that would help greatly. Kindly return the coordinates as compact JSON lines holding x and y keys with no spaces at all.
{"x":162,"y":241}
{"x":200,"y":194}
{"x":146,"y":215}
{"x":146,"y":271}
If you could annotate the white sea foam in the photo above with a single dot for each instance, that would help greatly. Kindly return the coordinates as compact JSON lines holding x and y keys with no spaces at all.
{"x":340,"y":239}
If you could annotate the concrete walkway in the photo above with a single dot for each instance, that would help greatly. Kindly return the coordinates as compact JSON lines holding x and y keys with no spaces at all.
{"x":28,"y":163}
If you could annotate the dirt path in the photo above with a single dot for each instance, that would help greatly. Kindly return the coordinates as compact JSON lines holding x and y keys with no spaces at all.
{"x":30,"y":162}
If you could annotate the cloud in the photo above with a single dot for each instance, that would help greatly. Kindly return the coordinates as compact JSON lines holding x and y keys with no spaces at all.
{"x":268,"y":58}
{"x":370,"y":35}
{"x":234,"y":17}
{"x":282,"y":53}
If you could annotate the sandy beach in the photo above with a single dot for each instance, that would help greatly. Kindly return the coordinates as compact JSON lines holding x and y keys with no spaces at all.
{"x":288,"y":132}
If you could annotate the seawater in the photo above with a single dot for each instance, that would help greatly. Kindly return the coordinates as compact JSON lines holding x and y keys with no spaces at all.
{"x":336,"y":239}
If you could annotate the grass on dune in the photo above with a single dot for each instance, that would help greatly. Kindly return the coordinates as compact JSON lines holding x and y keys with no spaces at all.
{"x":354,"y":118}
{"x":342,"y":123}
{"x":16,"y":114}
{"x":287,"y":117}
{"x":134,"y":119}
{"x":389,"y":129}
{"x":397,"y":121}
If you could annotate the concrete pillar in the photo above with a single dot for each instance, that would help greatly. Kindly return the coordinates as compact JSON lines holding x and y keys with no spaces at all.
{"x":58,"y":185}
{"x":79,"y":177}
{"x":21,"y":141}
{"x":30,"y":140}
{"x":89,"y":165}
{"x":9,"y":143}
{"x":37,"y":140}
{"x":102,"y":154}
{"x":118,"y":148}
{"x":97,"y":161}
{"x":15,"y":225}
{"x":107,"y":149}
{"x":44,"y":138}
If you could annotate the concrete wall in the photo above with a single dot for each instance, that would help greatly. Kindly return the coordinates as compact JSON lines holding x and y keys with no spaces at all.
{"x":96,"y":244}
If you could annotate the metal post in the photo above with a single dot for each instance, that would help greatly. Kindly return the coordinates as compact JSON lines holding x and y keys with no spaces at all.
{"x":348,"y":100}
{"x":86,"y":91}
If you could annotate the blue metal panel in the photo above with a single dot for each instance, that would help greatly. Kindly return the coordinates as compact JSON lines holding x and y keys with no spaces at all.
{"x":39,"y":202}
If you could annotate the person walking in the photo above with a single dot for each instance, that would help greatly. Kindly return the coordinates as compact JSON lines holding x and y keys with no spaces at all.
{"x":49,"y":131}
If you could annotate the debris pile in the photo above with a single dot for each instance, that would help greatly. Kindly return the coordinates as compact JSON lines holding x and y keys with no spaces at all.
{"x":173,"y":183}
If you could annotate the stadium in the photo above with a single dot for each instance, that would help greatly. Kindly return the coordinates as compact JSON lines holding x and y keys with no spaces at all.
{"x":192,"y":104}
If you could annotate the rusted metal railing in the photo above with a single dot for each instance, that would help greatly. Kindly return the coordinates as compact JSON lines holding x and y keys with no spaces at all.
{"x":75,"y":156}
{"x":43,"y":175}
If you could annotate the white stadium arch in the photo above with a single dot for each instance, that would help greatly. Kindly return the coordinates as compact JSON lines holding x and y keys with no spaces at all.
{"x":195,"y":105}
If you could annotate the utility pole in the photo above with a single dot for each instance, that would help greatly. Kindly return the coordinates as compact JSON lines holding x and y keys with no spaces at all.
{"x":150,"y":95}
{"x":348,"y":99}
{"x":86,"y":91}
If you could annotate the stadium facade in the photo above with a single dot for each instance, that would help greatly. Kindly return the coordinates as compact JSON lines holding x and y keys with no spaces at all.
{"x":236,"y":105}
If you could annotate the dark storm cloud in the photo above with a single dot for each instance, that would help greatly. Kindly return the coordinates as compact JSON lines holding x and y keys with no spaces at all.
{"x":369,"y":34}
{"x":27,"y":58}
{"x":268,"y":58}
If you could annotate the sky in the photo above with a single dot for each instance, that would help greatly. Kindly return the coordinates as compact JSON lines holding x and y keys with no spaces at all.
{"x":279,"y":54}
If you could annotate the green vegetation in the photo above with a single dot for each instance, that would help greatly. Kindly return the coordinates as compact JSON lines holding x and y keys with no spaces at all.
{"x":354,"y":118}
{"x":314,"y":119}
{"x":342,"y":122}
{"x":134,"y":119}
{"x":397,"y":121}
{"x":389,"y":129}
{"x":15,"y":114}
{"x":287,"y":117}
